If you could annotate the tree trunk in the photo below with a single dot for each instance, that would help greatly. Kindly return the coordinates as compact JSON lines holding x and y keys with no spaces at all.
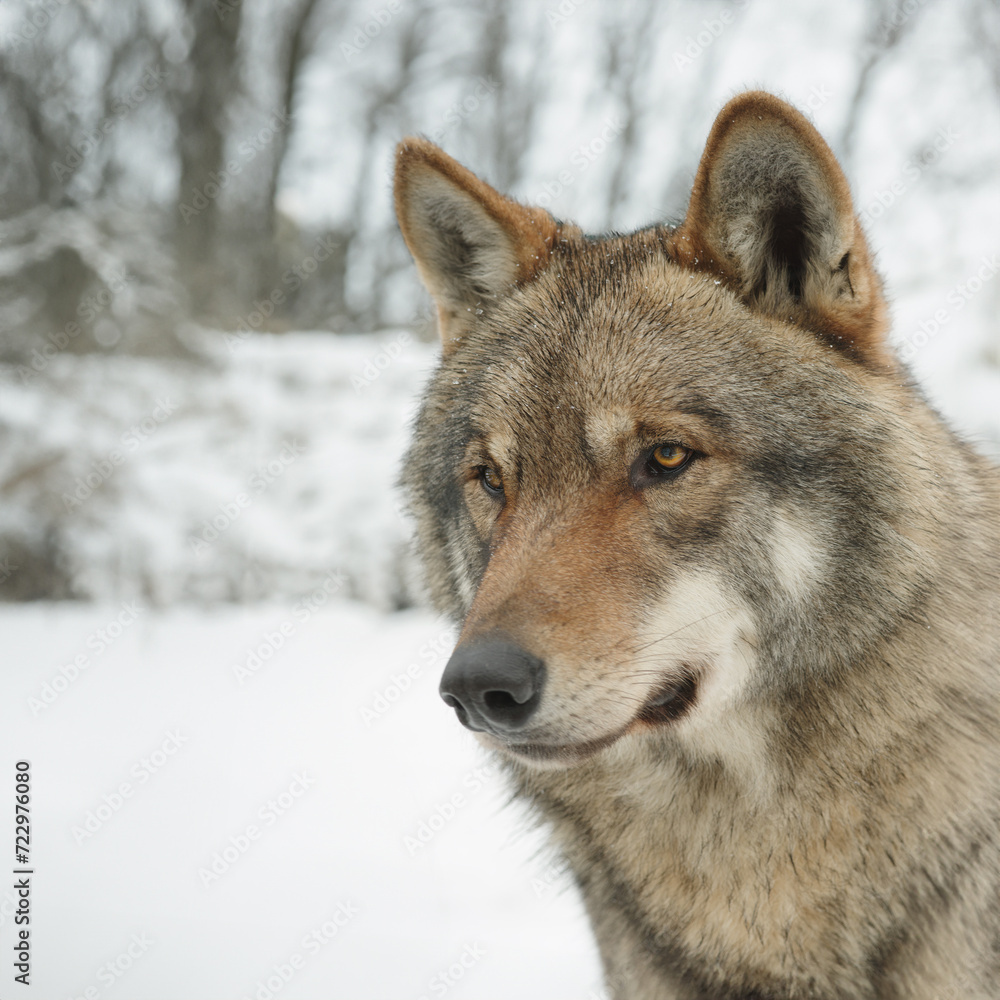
{"x":201,"y":127}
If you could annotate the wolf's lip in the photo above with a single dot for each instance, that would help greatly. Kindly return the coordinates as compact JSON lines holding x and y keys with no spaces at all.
{"x":566,"y":753}
{"x":669,"y":703}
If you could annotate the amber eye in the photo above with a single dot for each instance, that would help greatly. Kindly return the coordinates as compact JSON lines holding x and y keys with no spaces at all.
{"x":669,"y":458}
{"x":491,"y":479}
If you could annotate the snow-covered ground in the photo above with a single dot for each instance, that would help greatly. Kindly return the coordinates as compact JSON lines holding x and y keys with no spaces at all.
{"x":267,"y":802}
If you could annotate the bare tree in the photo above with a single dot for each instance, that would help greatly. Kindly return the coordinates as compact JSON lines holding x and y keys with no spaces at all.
{"x":630,"y":47}
{"x":202,"y":100}
{"x":888,"y":24}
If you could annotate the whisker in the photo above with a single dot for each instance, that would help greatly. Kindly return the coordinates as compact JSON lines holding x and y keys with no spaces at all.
{"x":670,"y":635}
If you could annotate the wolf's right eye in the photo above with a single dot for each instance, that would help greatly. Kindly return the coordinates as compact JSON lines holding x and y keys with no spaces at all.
{"x":662,"y":463}
{"x":491,"y":480}
{"x":668,"y":459}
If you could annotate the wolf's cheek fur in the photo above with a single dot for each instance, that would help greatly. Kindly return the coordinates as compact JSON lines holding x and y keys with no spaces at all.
{"x":797,"y":556}
{"x":702,"y":624}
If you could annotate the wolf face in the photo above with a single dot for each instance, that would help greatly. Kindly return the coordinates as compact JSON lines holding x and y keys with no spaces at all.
{"x":647,"y":460}
{"x":728,"y":585}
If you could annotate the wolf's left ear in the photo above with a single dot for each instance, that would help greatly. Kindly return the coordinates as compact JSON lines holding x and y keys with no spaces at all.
{"x":470,"y":243}
{"x":771,"y":213}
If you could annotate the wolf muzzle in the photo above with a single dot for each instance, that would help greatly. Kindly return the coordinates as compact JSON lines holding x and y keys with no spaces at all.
{"x":494,"y":685}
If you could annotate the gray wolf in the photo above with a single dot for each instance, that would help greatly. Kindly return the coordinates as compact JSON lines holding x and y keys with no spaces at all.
{"x":728,"y":585}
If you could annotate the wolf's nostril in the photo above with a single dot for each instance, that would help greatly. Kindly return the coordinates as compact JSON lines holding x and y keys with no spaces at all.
{"x":500,"y":701}
{"x":493,"y":684}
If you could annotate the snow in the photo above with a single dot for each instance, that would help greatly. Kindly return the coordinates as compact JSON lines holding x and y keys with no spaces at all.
{"x":173,"y":753}
{"x":178,"y":482}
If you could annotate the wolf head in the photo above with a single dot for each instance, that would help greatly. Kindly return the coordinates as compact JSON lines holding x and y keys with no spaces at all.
{"x":658,"y":474}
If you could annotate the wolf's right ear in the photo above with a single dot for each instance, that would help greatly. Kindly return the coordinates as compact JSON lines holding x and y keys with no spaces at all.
{"x":470,"y":243}
{"x":771,"y":214}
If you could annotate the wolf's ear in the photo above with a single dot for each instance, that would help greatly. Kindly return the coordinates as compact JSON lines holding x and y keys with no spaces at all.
{"x":771,"y":213}
{"x":470,"y":243}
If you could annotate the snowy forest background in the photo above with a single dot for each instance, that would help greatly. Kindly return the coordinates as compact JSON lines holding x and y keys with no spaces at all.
{"x":211,"y":340}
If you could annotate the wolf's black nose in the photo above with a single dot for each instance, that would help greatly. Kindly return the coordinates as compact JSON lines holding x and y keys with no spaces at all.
{"x":493,"y":685}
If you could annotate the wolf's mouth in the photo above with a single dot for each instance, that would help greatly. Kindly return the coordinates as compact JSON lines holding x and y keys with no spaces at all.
{"x":672,"y":701}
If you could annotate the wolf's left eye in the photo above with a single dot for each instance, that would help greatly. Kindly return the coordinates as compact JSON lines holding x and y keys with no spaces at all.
{"x":668,"y":458}
{"x":491,"y":480}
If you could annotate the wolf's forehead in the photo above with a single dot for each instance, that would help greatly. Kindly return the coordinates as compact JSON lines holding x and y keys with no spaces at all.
{"x":624,"y":319}
{"x":605,"y":428}
{"x":593,"y":359}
